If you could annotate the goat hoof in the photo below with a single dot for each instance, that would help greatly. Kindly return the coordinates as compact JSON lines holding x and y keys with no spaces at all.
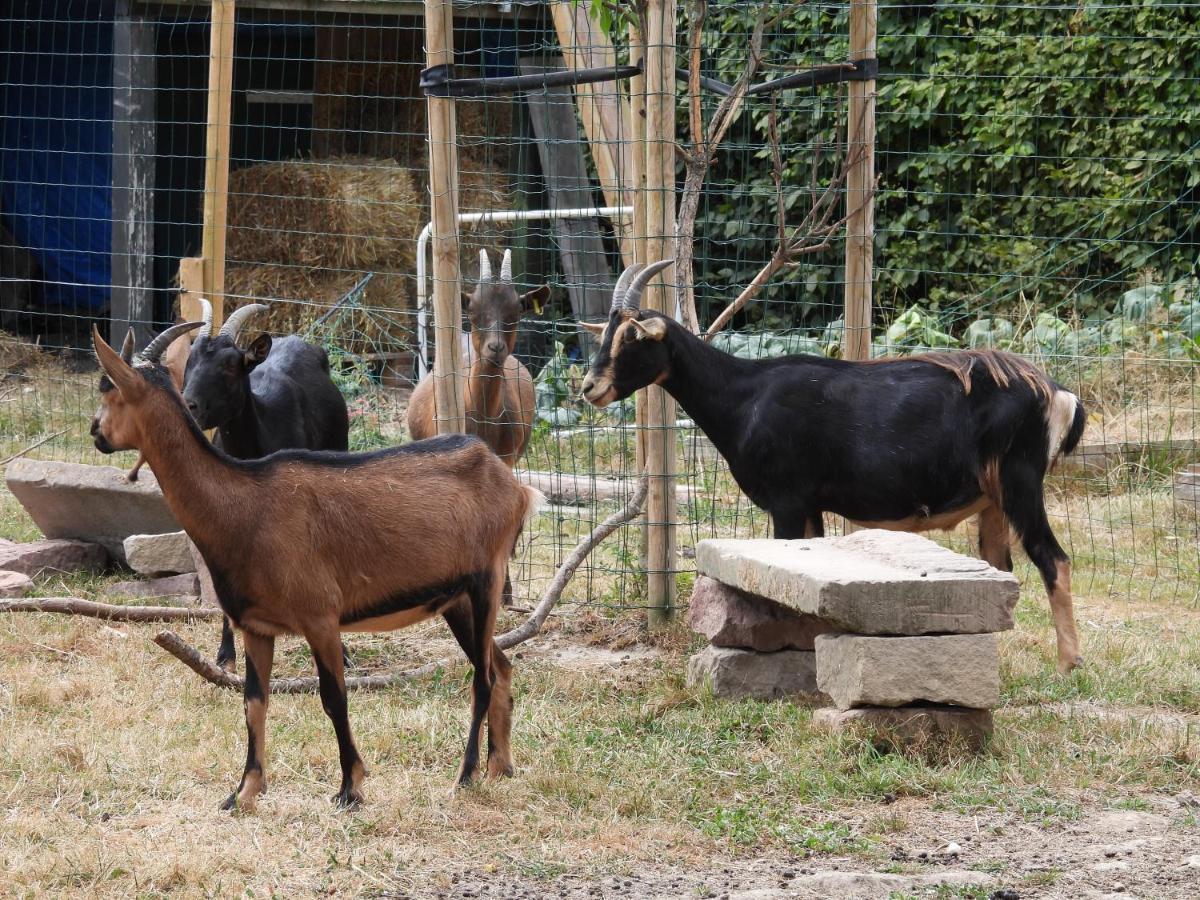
{"x":498,"y":771}
{"x":1066,"y":666}
{"x":347,"y":799}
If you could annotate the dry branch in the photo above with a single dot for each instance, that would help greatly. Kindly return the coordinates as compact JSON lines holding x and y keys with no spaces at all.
{"x":191,"y":657}
{"x":33,"y":446}
{"x":112,"y":612}
{"x":814,"y":232}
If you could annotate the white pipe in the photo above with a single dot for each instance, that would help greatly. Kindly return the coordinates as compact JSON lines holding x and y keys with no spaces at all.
{"x":509,"y":215}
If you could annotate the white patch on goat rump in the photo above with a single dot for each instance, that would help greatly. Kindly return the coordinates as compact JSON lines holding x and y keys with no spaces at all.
{"x":1060,"y":413}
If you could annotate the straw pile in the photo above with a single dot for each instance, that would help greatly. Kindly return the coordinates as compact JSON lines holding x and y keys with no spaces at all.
{"x":344,"y":213}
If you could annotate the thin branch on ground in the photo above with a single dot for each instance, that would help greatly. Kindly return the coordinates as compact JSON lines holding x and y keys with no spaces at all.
{"x":33,"y":446}
{"x":194,"y":660}
{"x":110,"y":612}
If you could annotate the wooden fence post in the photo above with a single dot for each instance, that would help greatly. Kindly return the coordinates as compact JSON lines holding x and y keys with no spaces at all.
{"x":216,"y":153}
{"x":443,"y":191}
{"x":659,"y":224}
{"x":860,"y":183}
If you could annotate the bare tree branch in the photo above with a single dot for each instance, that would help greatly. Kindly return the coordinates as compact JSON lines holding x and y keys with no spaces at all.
{"x":194,"y":660}
{"x":111,"y":612}
{"x":33,"y":446}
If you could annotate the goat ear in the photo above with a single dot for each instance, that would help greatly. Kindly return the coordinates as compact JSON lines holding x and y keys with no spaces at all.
{"x":593,"y":328}
{"x":257,"y":351}
{"x":650,"y":329}
{"x":535,"y":298}
{"x":119,"y":372}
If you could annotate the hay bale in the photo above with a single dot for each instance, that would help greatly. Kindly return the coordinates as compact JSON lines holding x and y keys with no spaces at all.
{"x":299,"y":296}
{"x":343,"y":213}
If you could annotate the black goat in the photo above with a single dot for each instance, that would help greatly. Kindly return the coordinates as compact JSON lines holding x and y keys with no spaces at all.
{"x":275,"y":395}
{"x":911,"y":444}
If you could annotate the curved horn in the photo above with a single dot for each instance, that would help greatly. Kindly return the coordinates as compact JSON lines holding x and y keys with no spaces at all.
{"x":623,"y":285}
{"x":155,"y":348}
{"x":206,"y":315}
{"x":485,"y":267}
{"x":506,"y":268}
{"x":127,"y":348}
{"x":234,"y":323}
{"x":634,"y":296}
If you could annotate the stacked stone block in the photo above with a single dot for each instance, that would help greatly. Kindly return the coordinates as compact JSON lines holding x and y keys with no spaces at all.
{"x":899,"y":632}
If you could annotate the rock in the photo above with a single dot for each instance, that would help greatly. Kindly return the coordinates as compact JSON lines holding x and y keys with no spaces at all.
{"x":732,"y":618}
{"x":34,"y":558}
{"x":90,"y":503}
{"x":959,"y":669}
{"x":1192,"y":862}
{"x":208,"y":593}
{"x":159,"y":554}
{"x":869,"y":582}
{"x":173,"y":586}
{"x":747,"y":673}
{"x":14,"y":584}
{"x":913,"y":726}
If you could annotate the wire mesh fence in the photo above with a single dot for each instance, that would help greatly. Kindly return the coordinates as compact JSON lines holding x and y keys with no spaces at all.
{"x":1038,"y":192}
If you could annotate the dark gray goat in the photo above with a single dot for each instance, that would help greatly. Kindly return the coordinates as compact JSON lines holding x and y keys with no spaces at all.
{"x":274,"y":395}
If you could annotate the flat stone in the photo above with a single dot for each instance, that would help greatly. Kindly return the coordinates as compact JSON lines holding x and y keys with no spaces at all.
{"x":869,"y":582}
{"x":746,"y":673}
{"x":208,"y":593}
{"x":912,"y":726}
{"x":14,"y":584}
{"x":172,"y":586}
{"x":37,"y":557}
{"x":159,"y":554}
{"x":90,"y":503}
{"x":959,"y":669}
{"x":732,"y":618}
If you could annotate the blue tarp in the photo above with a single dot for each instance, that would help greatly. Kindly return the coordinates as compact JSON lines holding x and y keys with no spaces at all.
{"x":56,"y":143}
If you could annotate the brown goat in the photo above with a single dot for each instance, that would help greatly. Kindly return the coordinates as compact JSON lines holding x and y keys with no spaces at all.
{"x":318,"y":542}
{"x":498,"y":397}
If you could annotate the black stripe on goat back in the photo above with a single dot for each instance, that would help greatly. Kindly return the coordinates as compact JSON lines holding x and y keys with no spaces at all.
{"x":433,"y":597}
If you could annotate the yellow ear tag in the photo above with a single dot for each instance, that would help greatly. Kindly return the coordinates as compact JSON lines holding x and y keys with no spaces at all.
{"x":537,"y":307}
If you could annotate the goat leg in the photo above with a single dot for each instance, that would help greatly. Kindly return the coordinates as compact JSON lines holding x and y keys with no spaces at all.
{"x":327,"y":651}
{"x":260,"y":655}
{"x":227,"y":652}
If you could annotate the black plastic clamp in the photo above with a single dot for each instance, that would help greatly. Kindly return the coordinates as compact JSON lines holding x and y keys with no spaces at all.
{"x":439,"y":81}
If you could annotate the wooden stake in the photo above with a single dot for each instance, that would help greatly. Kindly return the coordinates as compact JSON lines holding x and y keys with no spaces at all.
{"x":443,"y":190}
{"x":659,"y":417}
{"x":191,"y":288}
{"x":216,"y":153}
{"x":860,"y":184}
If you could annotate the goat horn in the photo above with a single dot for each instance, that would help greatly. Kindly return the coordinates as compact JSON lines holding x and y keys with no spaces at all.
{"x":155,"y":348}
{"x":206,"y":315}
{"x":485,"y":267}
{"x":127,"y":348}
{"x":234,"y":323}
{"x":506,"y":268}
{"x":623,"y":286}
{"x":634,"y":295}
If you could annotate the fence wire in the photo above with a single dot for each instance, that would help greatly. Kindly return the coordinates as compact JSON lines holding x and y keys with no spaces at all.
{"x":1038,"y":165}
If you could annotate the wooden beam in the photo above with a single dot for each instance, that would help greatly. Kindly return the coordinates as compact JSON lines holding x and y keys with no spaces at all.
{"x":603,"y":109}
{"x":191,"y":288}
{"x":216,"y":153}
{"x":132,"y":294}
{"x":569,"y":186}
{"x":860,"y":182}
{"x":443,"y":189}
{"x":660,"y":230}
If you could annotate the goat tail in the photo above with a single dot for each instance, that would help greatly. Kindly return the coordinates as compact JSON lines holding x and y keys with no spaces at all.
{"x":1065,"y":420}
{"x":535,"y":500}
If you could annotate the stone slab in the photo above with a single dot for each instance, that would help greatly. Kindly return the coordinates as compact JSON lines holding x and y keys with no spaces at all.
{"x":159,"y":554}
{"x":38,"y":557}
{"x":869,"y":582}
{"x":208,"y":593}
{"x":958,"y":669}
{"x":738,"y":674}
{"x":901,"y":727}
{"x":14,"y":584}
{"x":732,"y":618}
{"x":89,"y":503}
{"x":187,"y":585}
